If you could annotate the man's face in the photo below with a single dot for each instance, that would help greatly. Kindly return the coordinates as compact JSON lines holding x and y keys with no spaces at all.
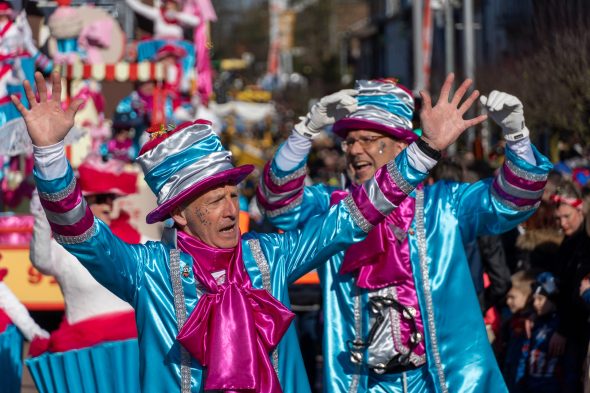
{"x":516,"y":300}
{"x":366,"y":151}
{"x":212,"y":217}
{"x":569,"y":218}
{"x":101,"y":206}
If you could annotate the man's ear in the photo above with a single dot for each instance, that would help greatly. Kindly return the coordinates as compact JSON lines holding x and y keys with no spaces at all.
{"x":178,"y":216}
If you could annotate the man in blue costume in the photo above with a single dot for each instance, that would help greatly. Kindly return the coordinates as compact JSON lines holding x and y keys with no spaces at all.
{"x":212,"y":306}
{"x":401,"y":313}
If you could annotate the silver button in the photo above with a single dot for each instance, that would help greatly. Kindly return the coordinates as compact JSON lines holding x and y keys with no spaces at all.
{"x":412,"y":312}
{"x":356,"y":357}
{"x":379,"y":368}
{"x":416,"y":337}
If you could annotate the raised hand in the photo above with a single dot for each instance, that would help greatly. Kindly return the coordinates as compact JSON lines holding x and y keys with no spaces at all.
{"x":507,"y":111}
{"x":326,"y":112}
{"x":47,"y":123}
{"x":444,"y":123}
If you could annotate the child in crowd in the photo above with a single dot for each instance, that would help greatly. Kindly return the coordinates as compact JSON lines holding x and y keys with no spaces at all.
{"x":543,"y":371}
{"x":518,"y":300}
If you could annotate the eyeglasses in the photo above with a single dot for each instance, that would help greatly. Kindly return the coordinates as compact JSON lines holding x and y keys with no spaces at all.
{"x":99,"y":199}
{"x":364,"y":141}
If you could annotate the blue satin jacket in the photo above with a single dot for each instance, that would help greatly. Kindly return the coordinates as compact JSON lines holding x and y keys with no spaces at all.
{"x":447,"y":216}
{"x":148,"y":278}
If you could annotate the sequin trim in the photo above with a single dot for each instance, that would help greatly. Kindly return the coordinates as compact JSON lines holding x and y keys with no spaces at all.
{"x":356,"y":214}
{"x":397,"y":177}
{"x":525,"y":174}
{"x":61,"y":239}
{"x":264,"y":268}
{"x":421,"y":238}
{"x":284,"y":209}
{"x":180,"y":309}
{"x":358,"y":323}
{"x":517,"y":191}
{"x":281,"y":181}
{"x":513,"y":206}
{"x":58,"y":196}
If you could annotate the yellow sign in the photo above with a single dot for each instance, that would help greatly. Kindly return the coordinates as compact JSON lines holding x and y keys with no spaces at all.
{"x":254,"y":96}
{"x":35,"y":290}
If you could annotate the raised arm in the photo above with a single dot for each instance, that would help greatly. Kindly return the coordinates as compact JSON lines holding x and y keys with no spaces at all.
{"x":281,"y":194}
{"x":113,"y":263}
{"x":493,"y":206}
{"x":185,"y":19}
{"x":142,"y":9}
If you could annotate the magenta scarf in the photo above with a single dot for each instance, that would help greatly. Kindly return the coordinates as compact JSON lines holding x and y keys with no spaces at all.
{"x":383,"y":258}
{"x":234,"y":327}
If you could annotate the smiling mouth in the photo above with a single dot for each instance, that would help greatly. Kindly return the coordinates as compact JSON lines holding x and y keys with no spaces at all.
{"x":360,"y":165}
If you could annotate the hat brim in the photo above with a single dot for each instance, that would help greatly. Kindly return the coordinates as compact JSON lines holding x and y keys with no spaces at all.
{"x":231,"y":176}
{"x":343,"y":126}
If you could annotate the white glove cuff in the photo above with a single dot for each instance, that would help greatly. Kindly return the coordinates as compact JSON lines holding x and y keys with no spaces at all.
{"x":303,"y":129}
{"x":295,"y":150}
{"x":516,"y":136}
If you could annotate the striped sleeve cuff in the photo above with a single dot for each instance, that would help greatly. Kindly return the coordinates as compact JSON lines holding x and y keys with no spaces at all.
{"x":279,"y":192}
{"x":379,"y":196}
{"x":68,"y":214}
{"x":519,"y":184}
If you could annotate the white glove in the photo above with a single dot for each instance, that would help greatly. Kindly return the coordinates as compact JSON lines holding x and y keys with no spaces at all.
{"x":507,"y":111}
{"x":326,"y":112}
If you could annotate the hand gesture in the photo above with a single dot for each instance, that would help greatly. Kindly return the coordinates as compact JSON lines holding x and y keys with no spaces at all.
{"x":47,"y":123}
{"x":326,"y":112}
{"x":444,"y":123}
{"x":507,"y":111}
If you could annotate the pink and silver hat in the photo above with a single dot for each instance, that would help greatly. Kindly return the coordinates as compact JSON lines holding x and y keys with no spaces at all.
{"x":384,"y":106}
{"x":179,"y":163}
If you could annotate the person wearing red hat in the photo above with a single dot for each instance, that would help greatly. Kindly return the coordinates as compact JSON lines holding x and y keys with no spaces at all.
{"x":212,"y":305}
{"x":15,"y":322}
{"x":97,"y":324}
{"x":390,"y":302}
{"x":175,"y":86}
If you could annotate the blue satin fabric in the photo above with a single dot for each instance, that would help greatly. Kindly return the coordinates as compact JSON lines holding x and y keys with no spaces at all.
{"x":454,"y":214}
{"x":11,"y":365}
{"x":110,"y":367}
{"x":67,"y":45}
{"x":140,"y":275}
{"x":146,"y":51}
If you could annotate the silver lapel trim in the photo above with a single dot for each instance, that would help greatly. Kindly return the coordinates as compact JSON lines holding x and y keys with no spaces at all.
{"x":180,"y":308}
{"x":358,"y":323}
{"x":421,"y":237}
{"x":264,"y":268}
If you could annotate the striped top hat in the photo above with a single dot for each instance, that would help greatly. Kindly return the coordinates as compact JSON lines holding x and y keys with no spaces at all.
{"x":179,"y":163}
{"x":383,"y":106}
